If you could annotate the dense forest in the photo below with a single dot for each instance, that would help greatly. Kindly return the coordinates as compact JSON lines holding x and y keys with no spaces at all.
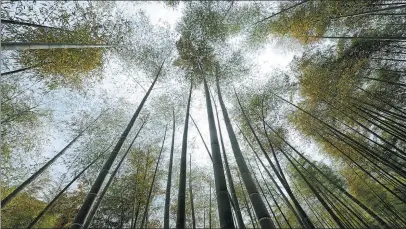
{"x":203,"y":114}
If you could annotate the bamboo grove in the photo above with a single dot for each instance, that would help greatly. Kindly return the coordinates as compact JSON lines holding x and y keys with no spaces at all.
{"x":111,"y":119}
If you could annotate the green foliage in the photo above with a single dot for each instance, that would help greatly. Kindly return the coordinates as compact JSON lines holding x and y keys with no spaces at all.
{"x":65,"y":67}
{"x":23,"y":210}
{"x":21,"y":127}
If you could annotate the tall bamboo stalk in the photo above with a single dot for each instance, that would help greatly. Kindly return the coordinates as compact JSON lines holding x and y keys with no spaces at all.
{"x":81,"y":215}
{"x":145,"y":218}
{"x":191,"y":193}
{"x":236,"y":205}
{"x":14,"y":22}
{"x":33,"y":45}
{"x":95,"y":206}
{"x":259,"y":206}
{"x":181,"y":211}
{"x":169,"y":179}
{"x":223,"y":202}
{"x":304,"y":219}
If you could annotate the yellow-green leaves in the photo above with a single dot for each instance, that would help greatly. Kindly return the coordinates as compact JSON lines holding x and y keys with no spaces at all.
{"x":65,"y":67}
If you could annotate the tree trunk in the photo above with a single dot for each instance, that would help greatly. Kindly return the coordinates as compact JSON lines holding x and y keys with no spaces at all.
{"x":288,"y":204}
{"x":31,"y":45}
{"x":341,"y":137}
{"x":19,"y":70}
{"x":322,"y":201}
{"x":204,"y":217}
{"x":143,"y":183}
{"x":233,"y":195}
{"x":280,"y":12}
{"x":372,"y":11}
{"x":145,"y":218}
{"x":351,"y":197}
{"x":180,"y":220}
{"x":16,"y":191}
{"x":13,"y":22}
{"x":132,"y":225}
{"x":201,"y":136}
{"x":81,"y":215}
{"x":270,"y":143}
{"x":223,"y":202}
{"x":169,"y":179}
{"x":305,"y":221}
{"x":246,"y":203}
{"x":259,"y":206}
{"x":191,"y":193}
{"x":95,"y":206}
{"x":263,"y":194}
{"x":210,"y":208}
{"x":396,"y":38}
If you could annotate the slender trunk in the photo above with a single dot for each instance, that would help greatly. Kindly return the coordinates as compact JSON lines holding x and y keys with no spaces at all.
{"x":132,"y":225}
{"x":180,"y":220}
{"x":363,"y":169}
{"x":13,"y":22}
{"x":246,"y":202}
{"x":288,"y":204}
{"x":228,"y":10}
{"x":385,"y":38}
{"x":343,"y":138}
{"x":351,"y":197}
{"x":223,"y":202}
{"x":270,"y":143}
{"x":390,"y":14}
{"x":387,"y":70}
{"x":386,"y":81}
{"x":305,"y":221}
{"x":383,"y":101}
{"x":122,"y":210}
{"x":280,"y":12}
{"x":201,"y":137}
{"x":210,"y":208}
{"x":387,"y":111}
{"x":366,"y":128}
{"x":169,"y":179}
{"x":204,"y":217}
{"x":263,"y":194}
{"x":314,"y":191}
{"x":389,"y":127}
{"x":191,"y":193}
{"x":345,"y":205}
{"x":233,"y":195}
{"x":95,"y":206}
{"x":81,"y":215}
{"x":315,"y":213}
{"x":145,"y":218}
{"x":259,"y":206}
{"x":19,"y":70}
{"x":389,"y":115}
{"x":49,"y":205}
{"x":389,"y":59}
{"x":11,"y":118}
{"x":16,"y":191}
{"x":372,"y":11}
{"x":30,"y":45}
{"x":142,"y":190}
{"x":272,"y":196}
